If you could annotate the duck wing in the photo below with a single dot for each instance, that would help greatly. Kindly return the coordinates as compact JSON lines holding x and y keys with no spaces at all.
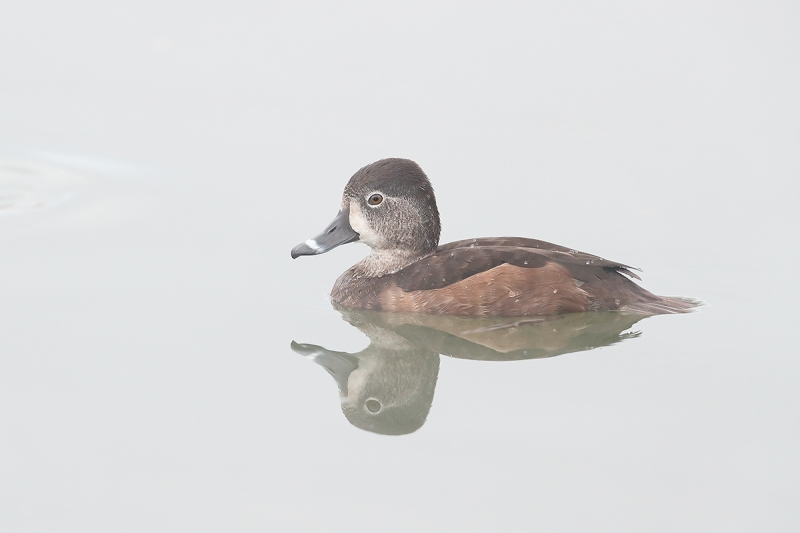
{"x":555,"y":252}
{"x":459,"y":260}
{"x":511,"y":276}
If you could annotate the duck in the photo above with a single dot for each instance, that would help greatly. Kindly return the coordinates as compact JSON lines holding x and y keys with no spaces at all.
{"x":390,"y":206}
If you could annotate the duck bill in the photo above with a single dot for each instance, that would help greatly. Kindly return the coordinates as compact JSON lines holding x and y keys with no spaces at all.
{"x":338,"y":364}
{"x":337,"y":233}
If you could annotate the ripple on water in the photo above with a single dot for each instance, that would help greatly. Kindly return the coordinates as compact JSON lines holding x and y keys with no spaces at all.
{"x":46,"y":192}
{"x":27,"y":186}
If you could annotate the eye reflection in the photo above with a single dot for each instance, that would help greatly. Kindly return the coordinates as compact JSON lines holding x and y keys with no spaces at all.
{"x":373,"y":405}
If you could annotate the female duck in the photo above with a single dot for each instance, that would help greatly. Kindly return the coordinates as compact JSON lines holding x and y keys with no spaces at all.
{"x":389,"y":205}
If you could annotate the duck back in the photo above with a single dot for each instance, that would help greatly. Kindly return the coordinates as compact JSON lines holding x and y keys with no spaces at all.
{"x":505,"y":276}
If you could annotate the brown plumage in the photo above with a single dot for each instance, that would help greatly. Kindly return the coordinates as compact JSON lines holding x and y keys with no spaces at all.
{"x":390,"y":206}
{"x":490,"y":277}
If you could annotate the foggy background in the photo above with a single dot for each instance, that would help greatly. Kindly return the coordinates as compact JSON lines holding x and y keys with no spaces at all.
{"x":158,"y":160}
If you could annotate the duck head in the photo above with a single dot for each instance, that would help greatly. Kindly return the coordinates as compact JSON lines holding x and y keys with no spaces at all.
{"x":388,"y":205}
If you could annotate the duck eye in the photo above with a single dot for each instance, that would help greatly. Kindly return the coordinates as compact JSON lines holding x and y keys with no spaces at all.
{"x":375,"y":199}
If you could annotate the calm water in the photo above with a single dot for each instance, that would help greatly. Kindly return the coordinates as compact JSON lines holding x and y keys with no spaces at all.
{"x":165,"y":366}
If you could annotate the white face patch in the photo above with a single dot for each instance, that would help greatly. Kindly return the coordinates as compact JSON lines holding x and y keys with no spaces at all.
{"x":360,"y":377}
{"x":360,"y":225}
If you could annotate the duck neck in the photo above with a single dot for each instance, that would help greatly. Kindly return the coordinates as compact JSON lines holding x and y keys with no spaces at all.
{"x":383,"y":262}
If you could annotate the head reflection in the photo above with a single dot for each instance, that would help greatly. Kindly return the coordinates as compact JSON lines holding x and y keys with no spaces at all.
{"x":388,"y":387}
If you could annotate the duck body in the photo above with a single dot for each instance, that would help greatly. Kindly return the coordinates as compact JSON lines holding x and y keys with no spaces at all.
{"x":390,"y":206}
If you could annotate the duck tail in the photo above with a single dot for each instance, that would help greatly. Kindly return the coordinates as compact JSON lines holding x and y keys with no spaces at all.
{"x":661,"y":305}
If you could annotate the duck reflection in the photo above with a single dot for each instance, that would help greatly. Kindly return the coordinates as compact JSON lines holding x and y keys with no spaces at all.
{"x":388,"y":387}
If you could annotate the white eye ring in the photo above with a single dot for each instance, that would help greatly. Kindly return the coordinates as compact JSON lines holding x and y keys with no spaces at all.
{"x":375,"y":199}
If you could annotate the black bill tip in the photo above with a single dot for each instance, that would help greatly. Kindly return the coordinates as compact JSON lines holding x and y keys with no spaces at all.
{"x":309,"y":247}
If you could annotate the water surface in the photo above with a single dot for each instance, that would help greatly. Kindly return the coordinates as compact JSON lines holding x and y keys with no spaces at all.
{"x":157,"y":164}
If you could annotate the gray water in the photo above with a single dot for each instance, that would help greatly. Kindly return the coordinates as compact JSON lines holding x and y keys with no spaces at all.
{"x":165,"y":365}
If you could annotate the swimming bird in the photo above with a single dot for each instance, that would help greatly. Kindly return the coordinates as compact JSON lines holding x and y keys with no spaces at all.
{"x":390,"y":206}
